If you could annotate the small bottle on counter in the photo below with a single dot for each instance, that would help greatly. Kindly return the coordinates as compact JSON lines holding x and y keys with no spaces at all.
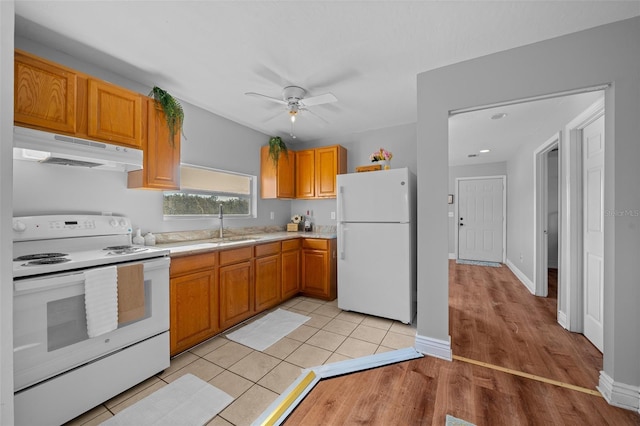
{"x":138,"y":239}
{"x":307,"y":223}
{"x":149,"y":239}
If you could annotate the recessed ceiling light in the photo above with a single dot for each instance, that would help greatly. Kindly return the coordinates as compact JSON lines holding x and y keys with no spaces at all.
{"x":484,"y":151}
{"x":499,"y":116}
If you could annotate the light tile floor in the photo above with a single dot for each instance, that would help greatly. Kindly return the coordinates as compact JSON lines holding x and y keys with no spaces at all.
{"x":255,"y":379}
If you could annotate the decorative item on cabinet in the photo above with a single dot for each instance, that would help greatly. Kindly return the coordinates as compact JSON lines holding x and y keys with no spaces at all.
{"x":382,"y":157}
{"x":276,"y":148}
{"x":172,"y":110}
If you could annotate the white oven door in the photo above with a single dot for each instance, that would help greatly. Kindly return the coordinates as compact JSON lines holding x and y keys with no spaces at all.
{"x":50,"y":326}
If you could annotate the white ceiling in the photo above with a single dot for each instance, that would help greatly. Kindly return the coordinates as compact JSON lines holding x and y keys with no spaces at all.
{"x":367,"y":53}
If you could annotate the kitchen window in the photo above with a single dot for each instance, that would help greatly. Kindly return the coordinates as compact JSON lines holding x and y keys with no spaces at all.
{"x":203,"y":190}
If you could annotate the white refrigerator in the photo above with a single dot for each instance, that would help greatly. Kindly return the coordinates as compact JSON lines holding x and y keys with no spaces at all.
{"x":377,"y":243}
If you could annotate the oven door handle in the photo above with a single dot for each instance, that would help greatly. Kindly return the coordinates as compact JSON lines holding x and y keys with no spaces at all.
{"x":47,"y":283}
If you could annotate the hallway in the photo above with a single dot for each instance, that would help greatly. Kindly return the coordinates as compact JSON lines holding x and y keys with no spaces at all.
{"x":494,"y":319}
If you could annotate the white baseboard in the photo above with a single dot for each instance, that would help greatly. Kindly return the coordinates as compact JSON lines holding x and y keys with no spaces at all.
{"x":452,"y":256}
{"x":434,"y":347}
{"x":619,"y":394}
{"x":522,"y":277}
{"x":562,"y":319}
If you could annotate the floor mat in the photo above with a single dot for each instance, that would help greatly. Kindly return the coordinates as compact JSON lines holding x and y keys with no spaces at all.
{"x":188,"y":401}
{"x":267,"y":330}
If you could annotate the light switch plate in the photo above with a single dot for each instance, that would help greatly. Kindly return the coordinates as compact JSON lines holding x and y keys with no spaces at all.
{"x":450,"y":214}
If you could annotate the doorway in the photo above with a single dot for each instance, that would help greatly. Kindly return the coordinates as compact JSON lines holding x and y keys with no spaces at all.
{"x":546,"y":225}
{"x":480,"y":213}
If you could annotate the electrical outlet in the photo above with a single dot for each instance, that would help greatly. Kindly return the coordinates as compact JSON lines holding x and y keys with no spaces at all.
{"x":333,"y":215}
{"x":273,"y":215}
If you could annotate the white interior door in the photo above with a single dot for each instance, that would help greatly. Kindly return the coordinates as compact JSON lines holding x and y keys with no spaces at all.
{"x":481,"y":219}
{"x":593,"y":224}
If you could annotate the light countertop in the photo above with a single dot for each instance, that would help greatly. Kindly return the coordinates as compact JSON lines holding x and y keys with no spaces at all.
{"x":183,"y":248}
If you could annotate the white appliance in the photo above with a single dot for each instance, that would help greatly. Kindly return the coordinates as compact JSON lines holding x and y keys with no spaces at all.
{"x":51,"y":148}
{"x":377,"y":243}
{"x":59,"y":371}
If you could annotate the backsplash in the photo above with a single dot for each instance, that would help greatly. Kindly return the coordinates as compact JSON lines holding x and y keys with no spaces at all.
{"x":207,"y":234}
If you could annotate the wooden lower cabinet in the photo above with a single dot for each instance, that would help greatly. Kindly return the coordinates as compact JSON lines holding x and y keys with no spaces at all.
{"x":268,"y":275}
{"x":290,"y":268}
{"x":236,"y":286}
{"x":193,"y":301}
{"x":213,"y":291}
{"x":319,"y":268}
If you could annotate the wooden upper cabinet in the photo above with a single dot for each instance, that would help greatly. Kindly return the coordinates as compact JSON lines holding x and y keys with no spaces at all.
{"x":44,"y":94}
{"x":316,"y":171}
{"x":305,"y":174}
{"x":330,"y":161}
{"x":114,"y":114}
{"x":277,"y":181}
{"x":161,"y":161}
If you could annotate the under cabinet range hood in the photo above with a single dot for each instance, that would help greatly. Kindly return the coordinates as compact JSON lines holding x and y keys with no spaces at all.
{"x":51,"y":148}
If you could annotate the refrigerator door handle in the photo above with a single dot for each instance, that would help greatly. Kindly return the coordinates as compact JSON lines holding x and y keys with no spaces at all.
{"x":340,"y":203}
{"x":341,"y":242}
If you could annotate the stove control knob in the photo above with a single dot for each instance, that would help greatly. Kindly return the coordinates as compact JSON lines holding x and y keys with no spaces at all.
{"x":19,"y":226}
{"x":123,"y":223}
{"x":113,"y":222}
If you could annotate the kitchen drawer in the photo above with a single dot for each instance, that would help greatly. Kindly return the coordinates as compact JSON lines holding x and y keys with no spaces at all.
{"x":293,"y":244}
{"x":315,"y":244}
{"x":235,"y":255}
{"x":188,"y":264}
{"x":267,"y":249}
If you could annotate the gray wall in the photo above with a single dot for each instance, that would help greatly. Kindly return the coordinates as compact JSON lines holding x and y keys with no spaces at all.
{"x":211,"y":141}
{"x":475,"y":170}
{"x":400,"y":140}
{"x":606,"y":54}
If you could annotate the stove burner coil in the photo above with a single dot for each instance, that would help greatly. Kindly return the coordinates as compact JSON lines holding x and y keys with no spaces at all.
{"x":38,"y":256}
{"x":126,"y":247}
{"x":46,"y":261}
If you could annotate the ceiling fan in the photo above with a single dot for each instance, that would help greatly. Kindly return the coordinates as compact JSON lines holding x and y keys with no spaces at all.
{"x":293,"y":98}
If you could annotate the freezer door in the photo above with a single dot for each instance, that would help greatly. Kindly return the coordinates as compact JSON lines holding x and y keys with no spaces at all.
{"x":374,"y":270}
{"x":381,"y":196}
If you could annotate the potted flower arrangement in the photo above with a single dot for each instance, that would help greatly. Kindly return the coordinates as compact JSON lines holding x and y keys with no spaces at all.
{"x":382,"y":157}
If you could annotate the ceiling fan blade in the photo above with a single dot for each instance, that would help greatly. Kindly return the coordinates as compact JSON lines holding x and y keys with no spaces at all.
{"x":318,"y":100}
{"x":280,"y":113}
{"x":314,"y":114}
{"x":269,"y":98}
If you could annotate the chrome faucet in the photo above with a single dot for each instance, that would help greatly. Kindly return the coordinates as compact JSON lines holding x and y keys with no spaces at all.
{"x":221,"y":217}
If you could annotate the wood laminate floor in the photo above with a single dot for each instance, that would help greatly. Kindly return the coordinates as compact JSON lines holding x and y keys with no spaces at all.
{"x":510,"y":354}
